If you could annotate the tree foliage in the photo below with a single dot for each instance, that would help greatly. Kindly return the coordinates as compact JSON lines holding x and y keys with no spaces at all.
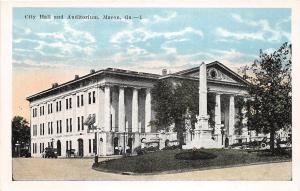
{"x":20,"y":131}
{"x":239,"y":125}
{"x":270,"y":106}
{"x":172,"y":100}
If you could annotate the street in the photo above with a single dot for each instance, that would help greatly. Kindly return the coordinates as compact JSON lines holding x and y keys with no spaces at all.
{"x":81,"y":169}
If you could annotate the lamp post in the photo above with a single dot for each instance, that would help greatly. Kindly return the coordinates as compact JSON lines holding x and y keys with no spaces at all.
{"x":52,"y":141}
{"x":124,"y":142}
{"x":97,"y":144}
{"x":18,"y":148}
{"x":222,"y":132}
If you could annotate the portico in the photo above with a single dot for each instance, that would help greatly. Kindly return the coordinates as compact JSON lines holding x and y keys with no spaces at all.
{"x":127,"y":110}
{"x":112,"y":109}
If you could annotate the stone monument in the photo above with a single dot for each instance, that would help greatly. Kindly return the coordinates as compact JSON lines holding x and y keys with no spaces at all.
{"x":202,"y":136}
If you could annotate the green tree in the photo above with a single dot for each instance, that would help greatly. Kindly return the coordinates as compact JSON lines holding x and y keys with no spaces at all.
{"x":270,"y":106}
{"x":20,"y":132}
{"x":239,"y":125}
{"x":172,"y":100}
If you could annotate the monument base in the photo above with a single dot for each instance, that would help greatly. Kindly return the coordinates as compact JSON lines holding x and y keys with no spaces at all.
{"x":202,"y":139}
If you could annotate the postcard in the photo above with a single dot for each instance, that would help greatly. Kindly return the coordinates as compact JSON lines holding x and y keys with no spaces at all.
{"x":128,"y":92}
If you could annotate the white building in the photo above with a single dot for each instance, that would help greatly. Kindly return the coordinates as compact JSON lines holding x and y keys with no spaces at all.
{"x":118,"y":104}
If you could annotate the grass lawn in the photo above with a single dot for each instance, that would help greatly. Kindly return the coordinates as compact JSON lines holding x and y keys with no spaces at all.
{"x":160,"y":161}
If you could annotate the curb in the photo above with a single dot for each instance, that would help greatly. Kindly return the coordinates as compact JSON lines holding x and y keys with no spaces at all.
{"x":185,"y":170}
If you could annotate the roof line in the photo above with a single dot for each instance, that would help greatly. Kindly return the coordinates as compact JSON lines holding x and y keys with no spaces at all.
{"x":107,"y":70}
{"x":211,"y":63}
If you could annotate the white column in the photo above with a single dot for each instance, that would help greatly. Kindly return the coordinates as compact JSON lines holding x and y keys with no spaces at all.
{"x":218,"y":114}
{"x":107,"y":108}
{"x":114,"y":109}
{"x":231,"y":116}
{"x":148,"y":110}
{"x":135,"y":116}
{"x":121,"y":122}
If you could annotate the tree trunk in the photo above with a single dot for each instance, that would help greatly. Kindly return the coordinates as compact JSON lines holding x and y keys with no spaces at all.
{"x":179,"y":127}
{"x":272,"y":138}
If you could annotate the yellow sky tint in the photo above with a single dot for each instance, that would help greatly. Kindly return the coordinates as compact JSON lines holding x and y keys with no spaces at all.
{"x":29,"y":82}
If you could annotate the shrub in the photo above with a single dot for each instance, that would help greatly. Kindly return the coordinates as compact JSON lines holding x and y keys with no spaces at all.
{"x":194,"y":155}
{"x":173,"y":147}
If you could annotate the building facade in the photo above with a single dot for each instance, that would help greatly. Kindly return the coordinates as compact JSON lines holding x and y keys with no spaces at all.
{"x":111,"y":108}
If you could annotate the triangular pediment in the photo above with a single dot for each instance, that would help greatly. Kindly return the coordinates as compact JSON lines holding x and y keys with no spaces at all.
{"x":215,"y":71}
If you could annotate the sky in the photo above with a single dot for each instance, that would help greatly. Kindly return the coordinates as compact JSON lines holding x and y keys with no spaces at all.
{"x":54,"y":50}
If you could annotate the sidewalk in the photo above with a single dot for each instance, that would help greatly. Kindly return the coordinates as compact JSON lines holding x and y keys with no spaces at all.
{"x":68,"y":169}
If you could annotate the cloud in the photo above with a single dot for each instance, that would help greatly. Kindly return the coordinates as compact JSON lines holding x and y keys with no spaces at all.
{"x":265,"y":32}
{"x":28,"y":63}
{"x":237,"y":18}
{"x":239,"y":35}
{"x":156,"y":19}
{"x":169,"y":50}
{"x":67,"y":43}
{"x":142,"y":34}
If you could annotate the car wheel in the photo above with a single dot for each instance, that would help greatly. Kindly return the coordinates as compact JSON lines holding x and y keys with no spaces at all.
{"x":263,"y":145}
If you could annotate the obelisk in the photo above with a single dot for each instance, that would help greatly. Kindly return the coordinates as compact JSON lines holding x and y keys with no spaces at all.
{"x":203,"y":117}
{"x":202,"y":137}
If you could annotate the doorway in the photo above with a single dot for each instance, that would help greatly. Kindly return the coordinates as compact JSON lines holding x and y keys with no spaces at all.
{"x":116,"y":146}
{"x":129,"y":146}
{"x":80,"y":147}
{"x":58,"y":145}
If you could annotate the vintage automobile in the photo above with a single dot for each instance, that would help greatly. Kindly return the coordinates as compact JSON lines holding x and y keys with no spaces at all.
{"x":50,"y":153}
{"x":263,"y":143}
{"x":147,"y":147}
{"x":25,"y":153}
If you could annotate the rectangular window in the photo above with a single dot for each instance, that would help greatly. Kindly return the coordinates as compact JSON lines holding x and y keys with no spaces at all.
{"x":78,"y":123}
{"x":94,"y":146}
{"x":57,"y":127}
{"x":90,"y":98}
{"x":67,"y":104}
{"x":51,"y":127}
{"x":78,"y":101}
{"x":70,"y":103}
{"x":70,"y":124}
{"x":94,"y":97}
{"x":60,"y":127}
{"x":67,"y":145}
{"x":67,"y":124}
{"x":90,"y":146}
{"x":82,"y":125}
{"x":59,"y":105}
{"x":70,"y":144}
{"x":48,"y":128}
{"x":81,"y":100}
{"x":56,"y":106}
